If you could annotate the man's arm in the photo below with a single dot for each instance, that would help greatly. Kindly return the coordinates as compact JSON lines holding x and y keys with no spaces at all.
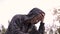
{"x":41,"y":28}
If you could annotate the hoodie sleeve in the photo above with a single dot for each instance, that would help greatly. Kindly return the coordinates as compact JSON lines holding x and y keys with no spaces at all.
{"x":15,"y":26}
{"x":41,"y":28}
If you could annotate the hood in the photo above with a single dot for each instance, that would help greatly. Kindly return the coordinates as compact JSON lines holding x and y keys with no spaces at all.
{"x":34,"y":12}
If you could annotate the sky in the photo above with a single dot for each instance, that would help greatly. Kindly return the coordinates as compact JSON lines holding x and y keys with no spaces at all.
{"x":9,"y":8}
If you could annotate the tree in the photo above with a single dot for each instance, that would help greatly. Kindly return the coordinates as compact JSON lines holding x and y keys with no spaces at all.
{"x":57,"y":13}
{"x":58,"y":30}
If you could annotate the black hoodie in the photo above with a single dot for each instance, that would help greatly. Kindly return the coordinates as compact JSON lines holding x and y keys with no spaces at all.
{"x":18,"y":26}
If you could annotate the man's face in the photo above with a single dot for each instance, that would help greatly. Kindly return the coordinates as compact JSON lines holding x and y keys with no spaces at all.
{"x":38,"y":18}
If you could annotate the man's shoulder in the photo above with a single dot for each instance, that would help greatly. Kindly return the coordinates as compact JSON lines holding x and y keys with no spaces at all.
{"x":18,"y":16}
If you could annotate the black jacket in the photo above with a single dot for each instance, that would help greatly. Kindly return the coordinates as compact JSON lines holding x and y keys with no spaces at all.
{"x":19,"y":26}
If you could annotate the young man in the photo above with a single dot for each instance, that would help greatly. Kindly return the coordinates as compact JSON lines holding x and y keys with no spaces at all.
{"x":25,"y":24}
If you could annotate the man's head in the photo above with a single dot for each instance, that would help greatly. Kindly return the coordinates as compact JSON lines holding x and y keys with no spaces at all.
{"x":35,"y":15}
{"x":38,"y":18}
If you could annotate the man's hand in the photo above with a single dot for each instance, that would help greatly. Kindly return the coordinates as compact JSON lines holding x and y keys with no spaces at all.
{"x":42,"y":20}
{"x":42,"y":17}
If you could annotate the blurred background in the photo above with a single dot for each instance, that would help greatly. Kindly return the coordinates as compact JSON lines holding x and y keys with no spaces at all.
{"x":9,"y":8}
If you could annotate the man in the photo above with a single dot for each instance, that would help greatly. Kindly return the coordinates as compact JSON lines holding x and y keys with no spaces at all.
{"x":25,"y":24}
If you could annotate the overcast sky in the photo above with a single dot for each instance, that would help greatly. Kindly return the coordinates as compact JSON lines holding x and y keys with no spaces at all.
{"x":9,"y":8}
